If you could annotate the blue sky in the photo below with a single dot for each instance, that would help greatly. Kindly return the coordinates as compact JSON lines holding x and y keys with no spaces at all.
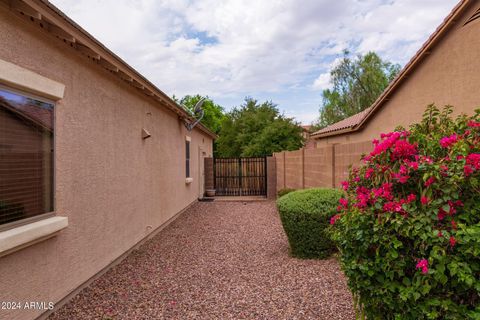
{"x":279,"y":50}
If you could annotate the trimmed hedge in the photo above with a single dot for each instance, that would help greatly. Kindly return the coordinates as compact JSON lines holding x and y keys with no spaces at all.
{"x":285,"y":191}
{"x":305,"y":217}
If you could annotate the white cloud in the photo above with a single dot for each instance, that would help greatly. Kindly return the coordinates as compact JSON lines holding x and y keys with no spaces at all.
{"x":322,"y":82}
{"x":235,"y":48}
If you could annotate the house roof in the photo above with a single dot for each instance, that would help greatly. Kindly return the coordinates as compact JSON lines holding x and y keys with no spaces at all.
{"x":357,"y":121}
{"x":38,"y":115}
{"x":343,"y":124}
{"x":307,"y":128}
{"x":53,"y":21}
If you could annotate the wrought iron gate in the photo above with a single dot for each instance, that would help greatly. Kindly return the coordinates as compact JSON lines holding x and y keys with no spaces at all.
{"x":240,"y":176}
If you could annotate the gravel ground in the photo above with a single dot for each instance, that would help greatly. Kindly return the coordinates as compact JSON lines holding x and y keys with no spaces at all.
{"x":219,"y":260}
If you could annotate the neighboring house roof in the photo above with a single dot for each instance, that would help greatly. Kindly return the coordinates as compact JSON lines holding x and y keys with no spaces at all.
{"x":40,"y":116}
{"x":343,"y":124}
{"x":307,"y":128}
{"x":52,"y":20}
{"x":357,"y":121}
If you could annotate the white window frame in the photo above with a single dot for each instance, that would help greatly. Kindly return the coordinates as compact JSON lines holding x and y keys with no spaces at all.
{"x":25,"y":232}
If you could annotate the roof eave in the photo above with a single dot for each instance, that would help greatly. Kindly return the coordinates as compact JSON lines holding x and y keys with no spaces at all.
{"x":59,"y":25}
{"x":409,"y":67}
{"x":331,"y":133}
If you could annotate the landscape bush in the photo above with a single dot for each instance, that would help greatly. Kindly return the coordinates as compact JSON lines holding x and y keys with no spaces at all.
{"x":305,"y":217}
{"x":408,"y":229}
{"x":283,"y":192}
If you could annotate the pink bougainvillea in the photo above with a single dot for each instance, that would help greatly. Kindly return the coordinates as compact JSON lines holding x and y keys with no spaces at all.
{"x":403,"y":150}
{"x":423,"y":265}
{"x":473,"y":160}
{"x":446,"y":142}
{"x":334,"y":218}
{"x":452,"y":241}
{"x":473,"y":124}
{"x":424,"y":200}
{"x":411,"y":207}
{"x":430,"y":181}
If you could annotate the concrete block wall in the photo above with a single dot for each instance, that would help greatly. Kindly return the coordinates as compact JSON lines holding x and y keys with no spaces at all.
{"x":280,"y":169}
{"x":294,"y":169}
{"x":318,"y":165}
{"x":347,"y":155}
{"x":323,"y":167}
{"x":271,"y":178}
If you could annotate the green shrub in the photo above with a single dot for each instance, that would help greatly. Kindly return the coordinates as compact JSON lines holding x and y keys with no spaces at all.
{"x":305,"y":216}
{"x":408,"y":230}
{"x":283,"y":192}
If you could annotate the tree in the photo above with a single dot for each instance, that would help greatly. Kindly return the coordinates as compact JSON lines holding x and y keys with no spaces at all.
{"x":256,"y":129}
{"x":213,"y":113}
{"x":357,"y":83}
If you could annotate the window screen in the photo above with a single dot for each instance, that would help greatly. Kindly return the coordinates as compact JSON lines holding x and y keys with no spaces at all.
{"x":26,"y":156}
{"x":187,"y":158}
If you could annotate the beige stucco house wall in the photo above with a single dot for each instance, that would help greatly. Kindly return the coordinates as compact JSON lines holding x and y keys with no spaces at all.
{"x":115,"y":187}
{"x":447,"y":73}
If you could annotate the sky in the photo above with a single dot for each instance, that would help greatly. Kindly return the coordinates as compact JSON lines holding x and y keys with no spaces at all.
{"x":278,"y":50}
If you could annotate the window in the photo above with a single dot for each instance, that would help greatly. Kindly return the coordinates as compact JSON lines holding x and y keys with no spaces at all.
{"x":187,"y":157}
{"x":26,"y":156}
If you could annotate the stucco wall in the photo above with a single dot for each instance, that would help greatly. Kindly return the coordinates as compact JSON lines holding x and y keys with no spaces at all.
{"x":449,"y":75}
{"x":114,"y":187}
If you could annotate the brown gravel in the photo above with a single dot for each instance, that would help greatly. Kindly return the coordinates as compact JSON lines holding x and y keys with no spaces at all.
{"x":219,"y":260}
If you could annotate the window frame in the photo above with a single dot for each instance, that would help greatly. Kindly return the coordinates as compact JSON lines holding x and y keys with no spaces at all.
{"x":188,"y":151}
{"x":52,"y":213}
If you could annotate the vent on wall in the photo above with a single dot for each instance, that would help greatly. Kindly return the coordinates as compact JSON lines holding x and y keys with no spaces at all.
{"x":475,"y":16}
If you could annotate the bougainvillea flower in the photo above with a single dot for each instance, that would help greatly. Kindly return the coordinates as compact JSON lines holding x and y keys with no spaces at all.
{"x":423,"y":264}
{"x":440,"y":234}
{"x":454,"y":224}
{"x":467,"y":170}
{"x":345,"y":185}
{"x":368,"y":173}
{"x":411,"y":197}
{"x":343,"y":202}
{"x":412,"y":164}
{"x":400,"y":177}
{"x":473,"y":160}
{"x":392,"y":206}
{"x":473,"y":124}
{"x":426,"y":159}
{"x":452,"y":241}
{"x":424,"y":200}
{"x":446,"y":142}
{"x":334,"y":219}
{"x":404,"y":149}
{"x":441,"y":214}
{"x":430,"y":181}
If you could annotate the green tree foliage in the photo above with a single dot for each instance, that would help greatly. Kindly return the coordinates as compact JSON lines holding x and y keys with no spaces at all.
{"x":256,"y":129}
{"x":357,"y":83}
{"x":214,"y":113}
